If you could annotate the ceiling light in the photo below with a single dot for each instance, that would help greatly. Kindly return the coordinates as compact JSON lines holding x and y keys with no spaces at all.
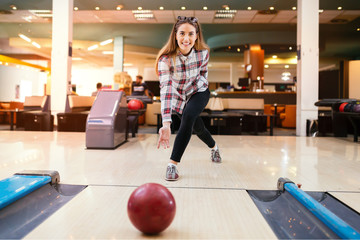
{"x":266,"y":66}
{"x":183,"y":8}
{"x":294,"y":8}
{"x":286,"y":66}
{"x":205,"y":8}
{"x":36,"y":44}
{"x":238,"y":49}
{"x":223,"y":14}
{"x":321,"y":10}
{"x":76,"y":8}
{"x":13,"y":7}
{"x":358,"y":29}
{"x":274,"y":56}
{"x":108,"y":52}
{"x":339,"y":8}
{"x":42,"y":13}
{"x":103,"y":43}
{"x":119,"y":7}
{"x":161,"y":8}
{"x":271,"y":8}
{"x":97,"y":8}
{"x":286,"y":76}
{"x":249,"y":8}
{"x":139,"y":8}
{"x":290,"y":48}
{"x":93,"y":47}
{"x":143,"y":14}
{"x":24,"y":37}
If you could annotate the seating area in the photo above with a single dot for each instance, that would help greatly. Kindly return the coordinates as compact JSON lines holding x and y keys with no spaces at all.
{"x":244,"y":115}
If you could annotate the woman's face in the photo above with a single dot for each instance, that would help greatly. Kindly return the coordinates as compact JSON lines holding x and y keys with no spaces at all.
{"x":186,"y":37}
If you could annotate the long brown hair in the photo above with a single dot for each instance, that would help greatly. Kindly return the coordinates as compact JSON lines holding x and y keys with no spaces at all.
{"x":171,"y":46}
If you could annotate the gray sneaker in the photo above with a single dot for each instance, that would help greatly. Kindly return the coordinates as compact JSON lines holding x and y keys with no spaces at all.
{"x":172,"y":174}
{"x":215,"y":156}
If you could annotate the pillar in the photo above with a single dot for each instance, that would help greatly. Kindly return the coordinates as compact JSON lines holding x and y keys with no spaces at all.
{"x":118,"y":54}
{"x":254,"y":66}
{"x":62,"y":25}
{"x":308,"y":63}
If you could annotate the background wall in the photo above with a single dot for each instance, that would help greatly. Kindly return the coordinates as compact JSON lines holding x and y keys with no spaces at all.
{"x":30,"y":82}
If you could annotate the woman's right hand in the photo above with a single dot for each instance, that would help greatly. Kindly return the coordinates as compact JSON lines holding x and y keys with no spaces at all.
{"x":164,"y":137}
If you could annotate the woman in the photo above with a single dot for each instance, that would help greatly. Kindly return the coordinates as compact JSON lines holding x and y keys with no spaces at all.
{"x":182,"y":69}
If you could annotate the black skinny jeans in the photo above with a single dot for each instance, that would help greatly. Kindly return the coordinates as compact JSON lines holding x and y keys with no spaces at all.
{"x":190,"y":120}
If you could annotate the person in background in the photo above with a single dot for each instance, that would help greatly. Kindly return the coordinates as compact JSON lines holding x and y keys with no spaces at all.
{"x":98,"y":88}
{"x":139,"y":88}
{"x":182,"y":67}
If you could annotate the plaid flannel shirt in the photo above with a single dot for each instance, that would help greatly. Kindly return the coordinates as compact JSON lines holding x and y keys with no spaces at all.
{"x":176,"y":87}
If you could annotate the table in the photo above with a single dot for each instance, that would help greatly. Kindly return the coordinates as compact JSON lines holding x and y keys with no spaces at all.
{"x":12,"y":112}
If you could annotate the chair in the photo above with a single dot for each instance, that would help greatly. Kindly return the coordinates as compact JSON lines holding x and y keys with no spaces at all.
{"x":288,"y":118}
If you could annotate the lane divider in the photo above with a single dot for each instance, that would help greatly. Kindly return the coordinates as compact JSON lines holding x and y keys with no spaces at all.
{"x":336,"y":224}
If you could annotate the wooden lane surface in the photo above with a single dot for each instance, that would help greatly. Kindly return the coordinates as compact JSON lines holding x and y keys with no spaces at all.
{"x":351,"y":199}
{"x":100,"y":212}
{"x":249,"y":162}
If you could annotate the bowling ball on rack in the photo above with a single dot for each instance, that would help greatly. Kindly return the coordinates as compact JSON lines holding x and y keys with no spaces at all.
{"x":342,"y":106}
{"x":135,"y":104}
{"x":356,"y":108}
{"x":348,"y":107}
{"x":151,"y":208}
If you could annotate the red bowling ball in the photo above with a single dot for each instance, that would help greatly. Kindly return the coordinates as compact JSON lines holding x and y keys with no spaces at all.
{"x":151,"y":208}
{"x":135,"y":104}
{"x":342,"y":106}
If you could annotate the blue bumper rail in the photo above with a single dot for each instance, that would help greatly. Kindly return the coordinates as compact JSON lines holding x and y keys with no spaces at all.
{"x":336,"y":224}
{"x":21,"y":184}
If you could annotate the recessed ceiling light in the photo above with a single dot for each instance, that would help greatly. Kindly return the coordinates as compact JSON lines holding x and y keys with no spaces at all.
{"x":286,"y":66}
{"x":139,"y":8}
{"x":36,"y":44}
{"x":205,"y":8}
{"x":13,"y":7}
{"x":161,"y":8}
{"x":274,"y":56}
{"x":238,"y":49}
{"x":249,"y":8}
{"x":266,"y":66}
{"x":358,"y":29}
{"x":119,"y":7}
{"x":93,"y":47}
{"x":103,"y":43}
{"x":76,"y":8}
{"x":271,"y":8}
{"x":183,"y":8}
{"x":97,"y":8}
{"x":290,"y":48}
{"x":24,"y":37}
{"x":339,"y":8}
{"x":294,"y":8}
{"x":227,"y":8}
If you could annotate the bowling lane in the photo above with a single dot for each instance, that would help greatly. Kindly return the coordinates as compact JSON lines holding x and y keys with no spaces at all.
{"x":249,"y":162}
{"x":100,"y":212}
{"x":351,"y":199}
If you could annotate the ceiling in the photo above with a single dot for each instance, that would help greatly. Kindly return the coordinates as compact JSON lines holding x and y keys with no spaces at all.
{"x":274,"y":30}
